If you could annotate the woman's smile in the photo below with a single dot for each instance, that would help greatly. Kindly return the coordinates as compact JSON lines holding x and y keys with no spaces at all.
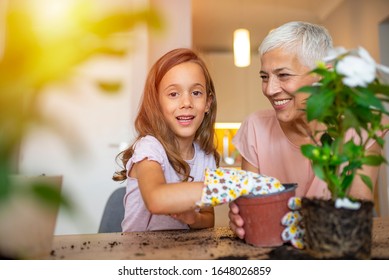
{"x":281,"y":103}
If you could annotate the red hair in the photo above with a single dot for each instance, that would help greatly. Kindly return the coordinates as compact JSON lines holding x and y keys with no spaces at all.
{"x":150,"y":120}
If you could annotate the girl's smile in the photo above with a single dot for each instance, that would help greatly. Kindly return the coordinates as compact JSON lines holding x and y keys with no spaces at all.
{"x":185,"y":120}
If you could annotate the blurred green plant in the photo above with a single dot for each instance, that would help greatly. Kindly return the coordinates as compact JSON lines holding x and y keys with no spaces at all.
{"x":351,"y":96}
{"x":42,"y":42}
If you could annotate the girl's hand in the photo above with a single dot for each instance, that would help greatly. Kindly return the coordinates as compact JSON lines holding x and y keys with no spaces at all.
{"x":224,"y":185}
{"x":187,"y":217}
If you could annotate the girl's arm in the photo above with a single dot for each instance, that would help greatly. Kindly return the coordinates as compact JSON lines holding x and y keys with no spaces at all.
{"x":205,"y":218}
{"x":161,"y":197}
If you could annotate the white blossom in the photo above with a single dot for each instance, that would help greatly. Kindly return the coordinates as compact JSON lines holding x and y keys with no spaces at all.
{"x":347,"y":203}
{"x":334,"y":53}
{"x":357,"y":71}
{"x":364,"y":54}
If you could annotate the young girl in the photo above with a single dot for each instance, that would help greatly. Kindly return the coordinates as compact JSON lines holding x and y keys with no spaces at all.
{"x":165,"y":166}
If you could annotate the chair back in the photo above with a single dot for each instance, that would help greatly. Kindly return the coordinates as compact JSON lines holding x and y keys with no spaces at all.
{"x":113,"y":212}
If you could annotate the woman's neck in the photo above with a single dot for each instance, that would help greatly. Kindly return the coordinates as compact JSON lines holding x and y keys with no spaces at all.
{"x":301,"y":132}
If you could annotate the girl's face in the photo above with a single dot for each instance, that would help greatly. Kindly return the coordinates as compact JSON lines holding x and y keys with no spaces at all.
{"x":183,"y":99}
{"x":282,"y":75}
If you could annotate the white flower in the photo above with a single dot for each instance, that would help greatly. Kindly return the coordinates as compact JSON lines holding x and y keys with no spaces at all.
{"x":334,"y":53}
{"x":357,"y":71}
{"x":364,"y":54}
{"x":347,"y":204}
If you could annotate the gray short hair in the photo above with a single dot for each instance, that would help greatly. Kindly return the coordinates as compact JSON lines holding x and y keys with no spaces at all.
{"x":311,"y":42}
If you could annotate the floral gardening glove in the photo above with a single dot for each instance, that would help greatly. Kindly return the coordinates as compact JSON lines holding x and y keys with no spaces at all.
{"x":294,"y":231}
{"x":223,"y":185}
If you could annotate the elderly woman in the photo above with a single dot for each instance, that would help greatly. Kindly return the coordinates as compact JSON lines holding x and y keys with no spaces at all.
{"x":269,"y":141}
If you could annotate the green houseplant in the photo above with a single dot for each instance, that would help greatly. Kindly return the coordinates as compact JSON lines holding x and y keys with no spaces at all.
{"x":42,"y":42}
{"x":349,"y":103}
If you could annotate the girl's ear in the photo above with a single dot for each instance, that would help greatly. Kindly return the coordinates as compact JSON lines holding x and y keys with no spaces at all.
{"x":209,"y":102}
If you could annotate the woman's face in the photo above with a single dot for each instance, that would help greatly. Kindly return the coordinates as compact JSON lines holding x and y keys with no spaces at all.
{"x":282,"y":75}
{"x":183,"y":99}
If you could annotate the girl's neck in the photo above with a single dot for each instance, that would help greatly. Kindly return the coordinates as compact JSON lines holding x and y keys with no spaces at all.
{"x":187,"y":149}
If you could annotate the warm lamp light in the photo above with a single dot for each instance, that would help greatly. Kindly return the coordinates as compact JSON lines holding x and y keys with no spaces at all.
{"x":241,"y":48}
{"x":225,"y":125}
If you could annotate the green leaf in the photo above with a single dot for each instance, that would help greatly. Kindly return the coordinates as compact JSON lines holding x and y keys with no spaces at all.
{"x":323,"y":71}
{"x":382,"y":89}
{"x":308,"y":89}
{"x":326,"y":139}
{"x":380,"y":141}
{"x":366,"y":98}
{"x":367,"y":181}
{"x":318,"y":105}
{"x":310,"y":151}
{"x":373,"y":160}
{"x":318,"y":170}
{"x":346,"y":183}
{"x":50,"y":195}
{"x":335,"y":181}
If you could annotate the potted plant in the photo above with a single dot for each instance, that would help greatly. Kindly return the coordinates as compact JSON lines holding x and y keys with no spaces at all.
{"x":349,"y":105}
{"x":43,"y":42}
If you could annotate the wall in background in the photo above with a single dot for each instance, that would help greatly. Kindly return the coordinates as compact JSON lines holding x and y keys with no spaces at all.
{"x":356,"y":23}
{"x":383,"y":192}
{"x":238,"y":90}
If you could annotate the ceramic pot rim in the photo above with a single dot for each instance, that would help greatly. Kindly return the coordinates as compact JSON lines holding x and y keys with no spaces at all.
{"x":268,"y":198}
{"x":288,"y":188}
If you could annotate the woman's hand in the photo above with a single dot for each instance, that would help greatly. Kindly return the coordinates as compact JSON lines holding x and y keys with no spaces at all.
{"x":236,"y":221}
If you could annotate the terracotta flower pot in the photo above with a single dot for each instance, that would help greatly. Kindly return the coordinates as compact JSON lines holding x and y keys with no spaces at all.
{"x":337,"y":233}
{"x":262,"y":216}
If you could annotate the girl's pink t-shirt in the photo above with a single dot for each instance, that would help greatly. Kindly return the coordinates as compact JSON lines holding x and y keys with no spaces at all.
{"x":261,"y":141}
{"x":137,"y":217}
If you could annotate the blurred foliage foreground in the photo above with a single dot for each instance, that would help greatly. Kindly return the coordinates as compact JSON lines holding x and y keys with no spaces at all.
{"x":41,"y":41}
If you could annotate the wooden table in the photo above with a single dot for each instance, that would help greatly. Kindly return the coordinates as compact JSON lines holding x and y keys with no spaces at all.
{"x":215,"y":243}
